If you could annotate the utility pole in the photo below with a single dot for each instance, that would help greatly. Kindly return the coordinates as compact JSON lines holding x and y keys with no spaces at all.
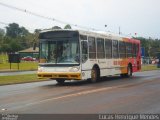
{"x":105,"y":27}
{"x":149,"y":48}
{"x":119,"y":30}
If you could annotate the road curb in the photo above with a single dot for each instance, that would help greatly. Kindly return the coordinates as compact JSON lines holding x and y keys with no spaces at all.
{"x":15,"y":71}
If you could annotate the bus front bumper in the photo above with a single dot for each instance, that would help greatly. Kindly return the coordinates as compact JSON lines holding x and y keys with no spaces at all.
{"x":67,"y":76}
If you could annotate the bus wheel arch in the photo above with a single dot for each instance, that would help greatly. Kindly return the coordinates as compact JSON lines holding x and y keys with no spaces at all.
{"x":95,"y":73}
{"x":129,"y":71}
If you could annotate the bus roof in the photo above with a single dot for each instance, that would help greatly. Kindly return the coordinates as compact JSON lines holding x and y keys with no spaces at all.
{"x":83,"y":32}
{"x":96,"y":33}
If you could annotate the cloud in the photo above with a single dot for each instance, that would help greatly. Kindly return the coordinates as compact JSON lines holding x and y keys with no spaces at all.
{"x":141,"y":16}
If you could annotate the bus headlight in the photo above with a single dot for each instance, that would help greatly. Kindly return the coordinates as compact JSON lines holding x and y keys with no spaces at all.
{"x":40,"y":69}
{"x":74,"y":69}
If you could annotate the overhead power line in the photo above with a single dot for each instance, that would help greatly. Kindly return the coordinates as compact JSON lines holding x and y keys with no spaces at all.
{"x":44,"y":17}
{"x":49,"y":18}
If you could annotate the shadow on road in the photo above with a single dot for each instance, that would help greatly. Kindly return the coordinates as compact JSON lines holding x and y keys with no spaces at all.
{"x":102,"y":81}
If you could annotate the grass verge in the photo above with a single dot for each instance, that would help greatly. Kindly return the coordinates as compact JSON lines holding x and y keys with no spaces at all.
{"x":149,"y":67}
{"x":6,"y":80}
{"x":22,"y":66}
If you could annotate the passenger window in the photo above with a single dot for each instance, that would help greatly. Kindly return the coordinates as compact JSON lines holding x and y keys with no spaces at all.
{"x":129,"y":49}
{"x":84,"y":47}
{"x":100,"y":48}
{"x":122,"y":49}
{"x":115,"y":49}
{"x":92,"y":47}
{"x":108,"y":48}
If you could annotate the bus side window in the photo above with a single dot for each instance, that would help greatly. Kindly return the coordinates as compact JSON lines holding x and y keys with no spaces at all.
{"x":84,"y":48}
{"x":92,"y":47}
{"x":122,"y":49}
{"x":115,"y":49}
{"x":100,"y":48}
{"x":135,"y":50}
{"x":108,"y":48}
{"x":129,"y":49}
{"x":83,"y":37}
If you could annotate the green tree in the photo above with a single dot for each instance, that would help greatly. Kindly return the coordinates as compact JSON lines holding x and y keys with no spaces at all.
{"x":155,"y":47}
{"x":24,"y":31}
{"x":5,"y":48}
{"x":17,"y":38}
{"x":67,"y":27}
{"x":13,"y":30}
{"x":152,"y":46}
{"x":37,"y":31}
{"x":36,"y":34}
{"x":56,"y":27}
{"x":2,"y":34}
{"x":14,"y":46}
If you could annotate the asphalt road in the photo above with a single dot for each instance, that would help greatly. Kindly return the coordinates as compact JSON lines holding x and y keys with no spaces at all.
{"x":139,"y":94}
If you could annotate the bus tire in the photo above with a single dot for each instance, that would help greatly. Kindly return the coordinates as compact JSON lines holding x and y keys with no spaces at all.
{"x":95,"y":75}
{"x":60,"y":81}
{"x":129,"y":72}
{"x":123,"y":75}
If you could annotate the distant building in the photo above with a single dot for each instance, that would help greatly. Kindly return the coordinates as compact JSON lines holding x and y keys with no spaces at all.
{"x":29,"y":52}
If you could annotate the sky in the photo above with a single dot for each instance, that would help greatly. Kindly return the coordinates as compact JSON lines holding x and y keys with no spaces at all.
{"x":132,"y":16}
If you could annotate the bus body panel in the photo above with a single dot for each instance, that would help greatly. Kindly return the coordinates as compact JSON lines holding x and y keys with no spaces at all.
{"x":59,"y":72}
{"x":111,"y":66}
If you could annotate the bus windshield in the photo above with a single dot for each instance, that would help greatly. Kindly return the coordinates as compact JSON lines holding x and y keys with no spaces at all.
{"x":60,"y":51}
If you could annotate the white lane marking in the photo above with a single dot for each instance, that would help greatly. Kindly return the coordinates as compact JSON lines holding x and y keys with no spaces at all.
{"x":62,"y":97}
{"x":72,"y":95}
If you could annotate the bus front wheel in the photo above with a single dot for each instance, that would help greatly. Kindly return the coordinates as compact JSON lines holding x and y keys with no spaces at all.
{"x":60,"y":81}
{"x":129,"y":69}
{"x":94,"y":75}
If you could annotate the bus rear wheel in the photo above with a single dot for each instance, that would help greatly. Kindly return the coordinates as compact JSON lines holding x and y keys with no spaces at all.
{"x":129,"y":72}
{"x":94,"y":75}
{"x":60,"y":81}
{"x":129,"y":69}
